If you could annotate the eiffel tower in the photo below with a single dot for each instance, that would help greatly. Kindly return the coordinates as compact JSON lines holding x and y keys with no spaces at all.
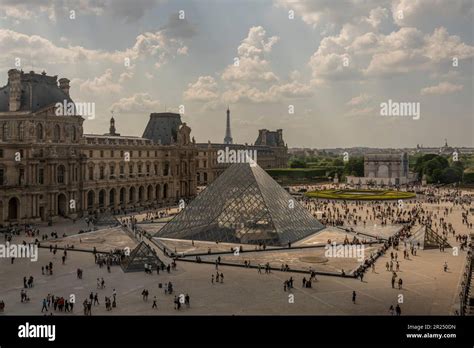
{"x":228,"y":136}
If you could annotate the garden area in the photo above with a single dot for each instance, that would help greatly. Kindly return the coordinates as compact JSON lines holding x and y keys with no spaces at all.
{"x":375,"y":195}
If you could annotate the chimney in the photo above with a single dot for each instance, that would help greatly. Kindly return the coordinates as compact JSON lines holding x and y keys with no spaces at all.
{"x":14,"y":81}
{"x":263,"y":133}
{"x":64,"y":85}
{"x":280,"y":137}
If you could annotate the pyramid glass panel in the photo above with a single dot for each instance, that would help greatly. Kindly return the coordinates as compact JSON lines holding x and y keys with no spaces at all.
{"x":243,"y":205}
{"x":139,"y":257}
{"x":428,"y":239}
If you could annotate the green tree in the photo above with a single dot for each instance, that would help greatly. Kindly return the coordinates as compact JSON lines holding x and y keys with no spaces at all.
{"x":451,"y":175}
{"x":421,"y":160}
{"x":436,"y":176}
{"x":297,"y":163}
{"x":437,"y":162}
{"x":355,"y":166}
{"x":457,"y":164}
{"x":469,"y":176}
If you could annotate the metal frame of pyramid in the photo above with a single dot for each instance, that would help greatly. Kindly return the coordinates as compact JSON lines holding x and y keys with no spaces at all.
{"x":428,"y":238}
{"x":140,"y":256}
{"x":243,"y":205}
{"x":433,"y":240}
{"x":106,"y":219}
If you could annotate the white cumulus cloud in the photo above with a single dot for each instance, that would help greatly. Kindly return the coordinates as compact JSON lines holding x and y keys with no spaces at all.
{"x":441,"y":88}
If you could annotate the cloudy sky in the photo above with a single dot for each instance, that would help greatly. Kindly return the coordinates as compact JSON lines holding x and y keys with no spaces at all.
{"x":319,"y":69}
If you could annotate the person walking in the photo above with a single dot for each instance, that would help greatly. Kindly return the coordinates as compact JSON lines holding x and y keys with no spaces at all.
{"x":187,"y":300}
{"x":354,"y":297}
{"x":154,"y":303}
{"x":45,"y":307}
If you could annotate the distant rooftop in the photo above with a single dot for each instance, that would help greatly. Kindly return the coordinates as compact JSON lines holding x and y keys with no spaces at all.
{"x":37,"y":91}
{"x":162,"y":128}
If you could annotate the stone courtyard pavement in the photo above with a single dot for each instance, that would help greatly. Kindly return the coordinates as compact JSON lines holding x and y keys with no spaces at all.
{"x":427,"y":288}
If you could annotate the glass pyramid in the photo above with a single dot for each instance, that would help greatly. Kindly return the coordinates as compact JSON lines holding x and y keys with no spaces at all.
{"x":140,"y":256}
{"x":106,"y":219}
{"x":243,"y":205}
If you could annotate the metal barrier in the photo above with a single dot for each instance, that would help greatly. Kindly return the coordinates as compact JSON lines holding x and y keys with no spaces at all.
{"x":466,"y":283}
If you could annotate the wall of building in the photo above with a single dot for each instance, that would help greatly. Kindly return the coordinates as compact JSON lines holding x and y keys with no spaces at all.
{"x":208,"y":167}
{"x":90,"y":175}
{"x":49,"y":168}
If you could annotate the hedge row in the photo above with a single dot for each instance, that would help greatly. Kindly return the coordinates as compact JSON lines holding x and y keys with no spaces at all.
{"x":296,"y":173}
{"x":468,"y":177}
{"x":362,"y":194}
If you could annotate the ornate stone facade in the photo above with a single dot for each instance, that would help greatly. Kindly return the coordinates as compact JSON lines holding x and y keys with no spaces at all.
{"x":389,"y":169}
{"x":49,"y":168}
{"x":269,"y":155}
{"x":386,"y":165}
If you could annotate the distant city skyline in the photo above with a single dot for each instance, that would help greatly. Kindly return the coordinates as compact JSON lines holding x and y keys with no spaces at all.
{"x":318,"y":70}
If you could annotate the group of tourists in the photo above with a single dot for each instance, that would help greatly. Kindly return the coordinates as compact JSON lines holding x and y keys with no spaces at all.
{"x":219,"y":278}
{"x":58,"y":303}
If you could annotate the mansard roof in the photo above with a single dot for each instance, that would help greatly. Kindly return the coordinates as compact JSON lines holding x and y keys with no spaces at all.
{"x":38,"y":91}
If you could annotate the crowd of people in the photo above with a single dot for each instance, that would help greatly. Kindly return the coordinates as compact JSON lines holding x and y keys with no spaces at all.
{"x":58,"y":303}
{"x":443,"y":204}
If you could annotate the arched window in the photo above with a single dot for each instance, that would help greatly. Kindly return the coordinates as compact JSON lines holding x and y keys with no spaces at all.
{"x":61,"y":174}
{"x":5,"y":131}
{"x":39,"y":132}
{"x":90,"y":199}
{"x":112,"y":197}
{"x":101,"y":198}
{"x":74,"y":133}
{"x":56,"y":133}
{"x":122,"y":195}
{"x":21,"y":130}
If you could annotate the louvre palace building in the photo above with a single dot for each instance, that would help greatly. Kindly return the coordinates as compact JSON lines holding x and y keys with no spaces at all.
{"x":49,"y":168}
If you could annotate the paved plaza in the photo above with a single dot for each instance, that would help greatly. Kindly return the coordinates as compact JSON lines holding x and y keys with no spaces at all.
{"x":427,"y":288}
